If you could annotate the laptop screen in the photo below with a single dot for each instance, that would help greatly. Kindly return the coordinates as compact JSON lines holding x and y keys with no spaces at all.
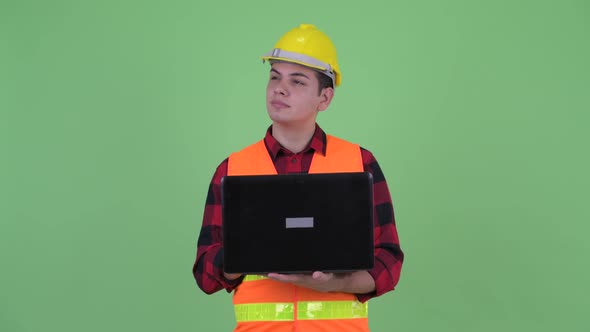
{"x":297,"y":223}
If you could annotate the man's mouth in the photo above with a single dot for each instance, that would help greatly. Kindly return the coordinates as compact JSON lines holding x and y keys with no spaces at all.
{"x":278,"y":104}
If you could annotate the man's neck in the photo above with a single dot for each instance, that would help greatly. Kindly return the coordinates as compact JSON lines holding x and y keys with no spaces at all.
{"x":293,"y":138}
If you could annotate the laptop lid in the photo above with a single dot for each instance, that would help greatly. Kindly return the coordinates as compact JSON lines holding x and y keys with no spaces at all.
{"x":297,"y":223}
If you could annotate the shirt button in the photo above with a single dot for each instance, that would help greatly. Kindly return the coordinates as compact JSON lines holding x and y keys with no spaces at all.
{"x":294,"y":160}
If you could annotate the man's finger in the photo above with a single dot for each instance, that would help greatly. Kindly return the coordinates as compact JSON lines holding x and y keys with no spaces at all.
{"x":284,"y":277}
{"x":321,"y":276}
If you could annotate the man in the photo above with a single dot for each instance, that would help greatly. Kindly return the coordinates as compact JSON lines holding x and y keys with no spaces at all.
{"x":303,"y":74}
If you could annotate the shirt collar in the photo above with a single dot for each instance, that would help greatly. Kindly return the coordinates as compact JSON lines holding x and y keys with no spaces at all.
{"x":317,"y":143}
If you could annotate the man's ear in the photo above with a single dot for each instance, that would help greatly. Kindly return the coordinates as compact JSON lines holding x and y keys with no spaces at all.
{"x":326,"y":98}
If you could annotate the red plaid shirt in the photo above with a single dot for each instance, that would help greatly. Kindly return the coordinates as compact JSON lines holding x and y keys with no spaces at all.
{"x":208,"y":267}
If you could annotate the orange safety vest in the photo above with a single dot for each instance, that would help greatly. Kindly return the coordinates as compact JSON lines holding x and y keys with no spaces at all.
{"x":265,"y":305}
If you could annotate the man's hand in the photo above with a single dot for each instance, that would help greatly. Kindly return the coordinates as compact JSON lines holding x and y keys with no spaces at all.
{"x":319,"y":281}
{"x":359,"y":282}
{"x":232,"y":276}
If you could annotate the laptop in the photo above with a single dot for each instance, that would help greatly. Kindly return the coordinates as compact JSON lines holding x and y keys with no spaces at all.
{"x":297,"y":223}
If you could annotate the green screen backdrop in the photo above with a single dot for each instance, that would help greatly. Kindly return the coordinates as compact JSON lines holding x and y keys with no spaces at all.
{"x":114,"y":115}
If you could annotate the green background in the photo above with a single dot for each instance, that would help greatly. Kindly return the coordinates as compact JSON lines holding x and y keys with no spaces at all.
{"x":114,"y":115}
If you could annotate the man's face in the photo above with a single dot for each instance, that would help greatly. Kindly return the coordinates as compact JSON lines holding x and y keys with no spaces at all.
{"x":292,"y":96}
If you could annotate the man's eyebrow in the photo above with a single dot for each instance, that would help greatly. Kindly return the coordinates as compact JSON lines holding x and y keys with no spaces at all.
{"x":292,"y":74}
{"x":299,"y":74}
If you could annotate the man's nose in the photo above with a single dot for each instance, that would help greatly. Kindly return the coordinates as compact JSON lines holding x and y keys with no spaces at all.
{"x":281,"y":89}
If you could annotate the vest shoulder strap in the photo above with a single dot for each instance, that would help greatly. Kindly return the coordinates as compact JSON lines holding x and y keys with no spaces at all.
{"x":252,"y":160}
{"x":341,"y":156}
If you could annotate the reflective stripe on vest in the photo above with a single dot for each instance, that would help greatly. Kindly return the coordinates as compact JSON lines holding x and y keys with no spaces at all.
{"x":253,"y":277}
{"x":264,"y":304}
{"x":305,"y":310}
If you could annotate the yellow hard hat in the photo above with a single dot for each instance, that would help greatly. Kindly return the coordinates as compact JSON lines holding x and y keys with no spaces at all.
{"x":307,"y":46}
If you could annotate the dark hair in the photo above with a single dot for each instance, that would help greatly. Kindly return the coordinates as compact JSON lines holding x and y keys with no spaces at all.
{"x":324,"y":81}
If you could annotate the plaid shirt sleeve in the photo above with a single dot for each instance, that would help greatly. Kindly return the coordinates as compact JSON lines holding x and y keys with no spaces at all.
{"x":208,"y":267}
{"x":388,"y":253}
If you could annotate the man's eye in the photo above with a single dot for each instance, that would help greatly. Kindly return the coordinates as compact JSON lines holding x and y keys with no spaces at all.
{"x":298,"y":82}
{"x":274,"y":78}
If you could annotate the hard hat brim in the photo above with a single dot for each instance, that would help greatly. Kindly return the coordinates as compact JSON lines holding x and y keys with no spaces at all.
{"x":303,"y":60}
